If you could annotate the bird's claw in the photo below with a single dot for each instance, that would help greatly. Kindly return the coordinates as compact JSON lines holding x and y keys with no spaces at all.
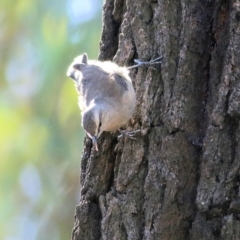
{"x":129,"y":134}
{"x":139,"y":63}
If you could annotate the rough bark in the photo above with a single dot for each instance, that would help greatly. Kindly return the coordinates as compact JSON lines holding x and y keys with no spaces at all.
{"x":180,"y":179}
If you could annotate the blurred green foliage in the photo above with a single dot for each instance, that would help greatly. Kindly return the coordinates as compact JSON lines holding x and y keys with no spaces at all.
{"x":40,"y":125}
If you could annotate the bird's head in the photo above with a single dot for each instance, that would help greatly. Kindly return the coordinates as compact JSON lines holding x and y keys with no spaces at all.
{"x":92,"y":122}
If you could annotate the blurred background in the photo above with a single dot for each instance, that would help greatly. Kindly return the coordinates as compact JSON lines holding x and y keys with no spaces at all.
{"x":40,"y":125}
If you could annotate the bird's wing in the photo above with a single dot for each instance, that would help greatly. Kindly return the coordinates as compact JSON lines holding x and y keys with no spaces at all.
{"x":97,"y":83}
{"x":121,"y":81}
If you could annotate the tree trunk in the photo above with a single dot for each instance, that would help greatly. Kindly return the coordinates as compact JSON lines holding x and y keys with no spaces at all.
{"x":179,"y":179}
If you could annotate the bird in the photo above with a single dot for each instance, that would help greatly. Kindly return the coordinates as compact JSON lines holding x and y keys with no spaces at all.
{"x":106,"y":96}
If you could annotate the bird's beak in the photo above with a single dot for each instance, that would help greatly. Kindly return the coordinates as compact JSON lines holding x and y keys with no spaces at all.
{"x":94,"y":141}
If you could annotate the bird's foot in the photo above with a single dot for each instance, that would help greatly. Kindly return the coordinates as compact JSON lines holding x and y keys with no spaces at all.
{"x":129,"y":134}
{"x":149,"y":63}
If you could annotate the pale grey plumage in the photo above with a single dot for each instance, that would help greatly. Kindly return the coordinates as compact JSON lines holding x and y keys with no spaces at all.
{"x":106,"y":95}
